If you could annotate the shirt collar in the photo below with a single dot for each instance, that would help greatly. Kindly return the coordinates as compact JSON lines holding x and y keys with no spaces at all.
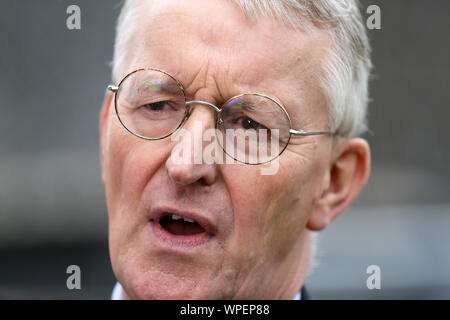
{"x":117,"y":292}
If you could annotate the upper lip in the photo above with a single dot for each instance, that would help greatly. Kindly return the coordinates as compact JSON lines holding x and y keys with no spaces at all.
{"x":156,"y":214}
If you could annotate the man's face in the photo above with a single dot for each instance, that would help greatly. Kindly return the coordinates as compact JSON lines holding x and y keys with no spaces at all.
{"x":255,"y":243}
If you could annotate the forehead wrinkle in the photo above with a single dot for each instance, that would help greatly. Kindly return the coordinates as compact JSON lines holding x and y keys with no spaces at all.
{"x":197,"y":16}
{"x":216,"y":34}
{"x":230,"y":62}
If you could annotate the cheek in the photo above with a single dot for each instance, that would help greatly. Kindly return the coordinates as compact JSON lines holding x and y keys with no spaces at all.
{"x":255,"y":198}
{"x":118,"y":151}
{"x":271,"y":211}
{"x":130,"y":164}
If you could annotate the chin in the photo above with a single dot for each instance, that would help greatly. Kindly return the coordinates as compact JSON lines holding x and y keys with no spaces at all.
{"x":163,"y":287}
{"x":176,"y":294}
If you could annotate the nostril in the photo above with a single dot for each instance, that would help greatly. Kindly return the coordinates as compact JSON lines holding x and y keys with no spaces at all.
{"x":186,"y":174}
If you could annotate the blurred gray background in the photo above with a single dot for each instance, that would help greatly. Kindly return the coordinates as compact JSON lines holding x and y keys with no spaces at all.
{"x":52,"y":208}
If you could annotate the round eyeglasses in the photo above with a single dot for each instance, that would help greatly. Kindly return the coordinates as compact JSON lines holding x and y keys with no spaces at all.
{"x":251,"y":128}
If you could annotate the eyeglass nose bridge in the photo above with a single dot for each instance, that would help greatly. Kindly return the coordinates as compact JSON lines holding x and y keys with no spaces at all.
{"x":204,"y":103}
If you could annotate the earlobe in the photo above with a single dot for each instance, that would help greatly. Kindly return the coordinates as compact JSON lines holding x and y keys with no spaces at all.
{"x":103,"y":123}
{"x":346,"y":177}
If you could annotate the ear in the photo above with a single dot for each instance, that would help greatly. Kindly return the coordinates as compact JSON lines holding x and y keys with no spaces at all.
{"x":103,"y":125}
{"x":343,"y":181}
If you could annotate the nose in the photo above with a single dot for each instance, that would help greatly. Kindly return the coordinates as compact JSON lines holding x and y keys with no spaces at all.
{"x":185,"y":164}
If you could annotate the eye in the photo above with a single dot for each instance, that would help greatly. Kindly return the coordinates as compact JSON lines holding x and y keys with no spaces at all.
{"x":158,"y":106}
{"x":248,"y":123}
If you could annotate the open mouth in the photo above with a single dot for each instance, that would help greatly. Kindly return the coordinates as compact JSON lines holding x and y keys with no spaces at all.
{"x":177,"y":229}
{"x":180,"y":226}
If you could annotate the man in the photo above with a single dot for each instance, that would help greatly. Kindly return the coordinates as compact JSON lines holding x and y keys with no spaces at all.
{"x":202,"y":230}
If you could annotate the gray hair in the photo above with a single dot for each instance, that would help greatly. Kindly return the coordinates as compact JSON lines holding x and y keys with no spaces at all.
{"x":346,"y":70}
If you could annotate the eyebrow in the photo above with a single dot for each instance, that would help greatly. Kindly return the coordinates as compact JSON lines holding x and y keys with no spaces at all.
{"x":165,"y":86}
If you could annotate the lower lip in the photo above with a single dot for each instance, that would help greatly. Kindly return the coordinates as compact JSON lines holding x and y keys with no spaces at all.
{"x":178,"y":241}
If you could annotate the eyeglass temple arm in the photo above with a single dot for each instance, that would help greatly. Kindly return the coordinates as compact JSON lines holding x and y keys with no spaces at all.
{"x":305,"y":134}
{"x":113,"y":88}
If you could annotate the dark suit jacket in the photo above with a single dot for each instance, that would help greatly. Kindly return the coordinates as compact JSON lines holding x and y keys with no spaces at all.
{"x":305,"y":294}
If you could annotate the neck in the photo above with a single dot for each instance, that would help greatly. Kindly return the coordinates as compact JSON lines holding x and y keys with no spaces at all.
{"x":293,"y":274}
